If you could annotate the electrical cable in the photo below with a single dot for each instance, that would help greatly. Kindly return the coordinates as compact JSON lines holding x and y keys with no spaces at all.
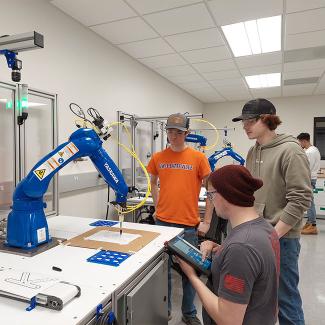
{"x":80,"y":113}
{"x":216,"y":130}
{"x":132,"y":153}
{"x":107,"y":205}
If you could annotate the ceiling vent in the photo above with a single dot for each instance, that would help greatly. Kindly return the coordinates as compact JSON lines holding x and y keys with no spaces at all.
{"x":300,"y":81}
{"x":312,"y":53}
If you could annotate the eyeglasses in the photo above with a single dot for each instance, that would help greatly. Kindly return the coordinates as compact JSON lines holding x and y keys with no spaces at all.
{"x":249,"y":121}
{"x":175,"y":132}
{"x":210,"y":194}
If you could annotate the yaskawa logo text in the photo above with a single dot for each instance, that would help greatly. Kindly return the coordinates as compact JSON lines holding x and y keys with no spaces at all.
{"x":109,"y":169}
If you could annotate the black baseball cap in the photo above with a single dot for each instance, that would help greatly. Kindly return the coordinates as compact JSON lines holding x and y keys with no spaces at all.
{"x":255,"y":108}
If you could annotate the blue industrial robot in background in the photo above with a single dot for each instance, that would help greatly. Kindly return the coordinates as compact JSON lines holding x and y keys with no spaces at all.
{"x":27,"y":226}
{"x":226,"y":151}
{"x":217,"y":155}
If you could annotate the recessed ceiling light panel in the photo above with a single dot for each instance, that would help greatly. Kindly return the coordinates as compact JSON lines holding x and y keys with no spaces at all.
{"x":264,"y":80}
{"x":254,"y":36}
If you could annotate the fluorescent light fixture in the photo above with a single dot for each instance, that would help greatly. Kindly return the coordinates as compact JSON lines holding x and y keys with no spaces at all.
{"x":254,"y":36}
{"x":29,"y":104}
{"x":264,"y":80}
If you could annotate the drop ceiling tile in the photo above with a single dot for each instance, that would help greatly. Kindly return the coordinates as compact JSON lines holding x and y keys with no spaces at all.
{"x":161,"y":61}
{"x":321,"y":87}
{"x":232,"y":89}
{"x":306,"y":21}
{"x":303,"y":74}
{"x":301,"y":5}
{"x":234,"y":11}
{"x":180,"y":70}
{"x":148,"y":6}
{"x":261,"y":70}
{"x":91,"y":12}
{"x":207,"y":95}
{"x":238,"y":96}
{"x":259,"y":60}
{"x":266,"y":92}
{"x":322,"y":81}
{"x":194,"y":85}
{"x":206,"y":91}
{"x":195,"y":40}
{"x":124,"y":31}
{"x":215,"y":66}
{"x":209,"y":98}
{"x":222,"y":75}
{"x":180,"y":20}
{"x":298,"y":90}
{"x":186,"y":78}
{"x":228,"y":82}
{"x":304,"y":65}
{"x":320,"y":91}
{"x":304,"y":40}
{"x":209,"y":54}
{"x":147,"y":48}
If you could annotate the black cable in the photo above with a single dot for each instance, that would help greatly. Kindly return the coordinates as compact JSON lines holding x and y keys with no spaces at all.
{"x":93,"y":112}
{"x":80,"y":113}
{"x":107,"y":205}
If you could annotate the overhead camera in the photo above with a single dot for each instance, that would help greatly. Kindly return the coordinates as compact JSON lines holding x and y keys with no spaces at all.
{"x":15,"y":73}
{"x":10,"y":46}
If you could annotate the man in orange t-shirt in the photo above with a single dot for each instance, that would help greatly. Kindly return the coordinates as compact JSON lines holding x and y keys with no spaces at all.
{"x":181,"y":171}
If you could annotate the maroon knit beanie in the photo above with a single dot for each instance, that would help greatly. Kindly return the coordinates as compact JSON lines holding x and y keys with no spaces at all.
{"x":236,"y":184}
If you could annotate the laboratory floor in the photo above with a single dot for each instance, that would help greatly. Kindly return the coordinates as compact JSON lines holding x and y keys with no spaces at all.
{"x":312,"y":280}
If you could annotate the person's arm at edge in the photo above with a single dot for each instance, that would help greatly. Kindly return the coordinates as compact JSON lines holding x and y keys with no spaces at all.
{"x":205,"y":225}
{"x":282,"y":228}
{"x":154,"y":189}
{"x":297,"y":200}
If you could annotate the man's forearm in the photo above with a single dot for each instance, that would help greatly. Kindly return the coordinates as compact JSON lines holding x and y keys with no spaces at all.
{"x":216,"y":307}
{"x":155,"y":194}
{"x":209,"y":300}
{"x":282,"y":228}
{"x":208,"y":212}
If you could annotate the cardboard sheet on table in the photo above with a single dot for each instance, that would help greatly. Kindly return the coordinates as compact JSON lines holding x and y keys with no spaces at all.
{"x":134,"y":246}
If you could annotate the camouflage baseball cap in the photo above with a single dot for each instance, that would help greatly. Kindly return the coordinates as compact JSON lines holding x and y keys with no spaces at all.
{"x":178,"y":121}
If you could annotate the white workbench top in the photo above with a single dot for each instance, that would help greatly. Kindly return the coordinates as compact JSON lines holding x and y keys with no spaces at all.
{"x":97,"y":281}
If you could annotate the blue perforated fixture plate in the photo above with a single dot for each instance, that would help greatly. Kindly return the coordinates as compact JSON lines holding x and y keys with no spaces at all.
{"x":108,"y":258}
{"x":100,"y":223}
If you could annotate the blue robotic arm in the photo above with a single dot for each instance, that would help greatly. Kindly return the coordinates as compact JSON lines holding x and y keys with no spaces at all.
{"x":228,"y":151}
{"x":196,"y":138}
{"x":27,"y":226}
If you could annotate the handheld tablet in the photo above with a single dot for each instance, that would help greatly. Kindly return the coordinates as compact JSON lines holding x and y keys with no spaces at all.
{"x":189,"y":253}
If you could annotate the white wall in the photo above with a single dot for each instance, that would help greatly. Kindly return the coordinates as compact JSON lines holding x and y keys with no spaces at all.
{"x":82,"y":67}
{"x":297,"y":115}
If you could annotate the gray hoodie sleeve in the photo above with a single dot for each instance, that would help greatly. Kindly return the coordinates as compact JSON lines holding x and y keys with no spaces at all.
{"x":298,"y":187}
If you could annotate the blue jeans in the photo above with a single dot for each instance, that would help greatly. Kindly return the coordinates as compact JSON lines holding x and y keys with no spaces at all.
{"x":188,"y":307}
{"x":290,"y":304}
{"x":311,"y":213}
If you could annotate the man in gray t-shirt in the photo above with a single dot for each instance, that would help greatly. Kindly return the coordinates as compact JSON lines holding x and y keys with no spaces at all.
{"x":244,"y":271}
{"x":243,"y":285}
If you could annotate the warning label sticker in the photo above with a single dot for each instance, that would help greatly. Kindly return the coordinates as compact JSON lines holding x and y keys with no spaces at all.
{"x":55,"y":161}
{"x":40,"y":173}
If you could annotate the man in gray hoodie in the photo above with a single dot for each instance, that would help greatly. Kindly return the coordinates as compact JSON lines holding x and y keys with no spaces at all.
{"x":281,"y":163}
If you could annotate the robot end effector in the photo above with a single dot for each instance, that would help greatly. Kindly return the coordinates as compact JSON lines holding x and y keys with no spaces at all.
{"x":10,"y":46}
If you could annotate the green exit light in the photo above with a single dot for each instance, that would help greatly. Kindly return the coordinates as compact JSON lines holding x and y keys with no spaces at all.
{"x":24,"y":103}
{"x":9,"y":104}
